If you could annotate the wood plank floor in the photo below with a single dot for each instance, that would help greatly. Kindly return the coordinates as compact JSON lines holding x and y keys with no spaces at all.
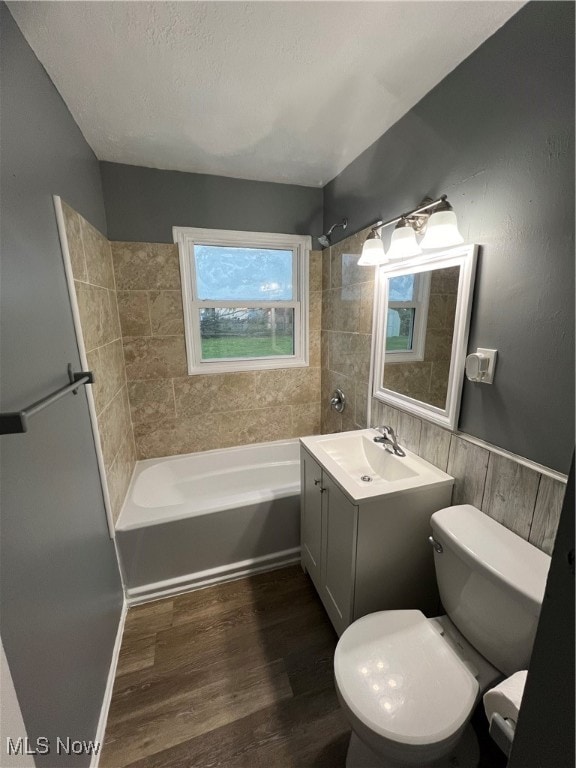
{"x":239,"y":674}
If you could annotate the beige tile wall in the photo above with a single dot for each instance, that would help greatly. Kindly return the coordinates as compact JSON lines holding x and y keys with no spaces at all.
{"x":174,"y":413}
{"x":95,"y":286}
{"x":347,"y":301}
{"x":520,"y":497}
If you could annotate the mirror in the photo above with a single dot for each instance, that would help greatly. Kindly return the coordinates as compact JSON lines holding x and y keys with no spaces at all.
{"x":422,"y":319}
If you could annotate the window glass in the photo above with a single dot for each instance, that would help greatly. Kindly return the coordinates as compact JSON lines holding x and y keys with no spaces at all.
{"x":241,"y":332}
{"x":400,"y":329}
{"x":401,"y":288}
{"x":225,"y":273}
{"x":245,"y":297}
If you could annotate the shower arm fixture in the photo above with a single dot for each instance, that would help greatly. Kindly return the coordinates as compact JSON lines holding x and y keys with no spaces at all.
{"x":325,"y":239}
{"x":417,"y":218}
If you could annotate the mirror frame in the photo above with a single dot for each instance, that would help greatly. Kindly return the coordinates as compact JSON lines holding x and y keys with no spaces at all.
{"x":463,"y":256}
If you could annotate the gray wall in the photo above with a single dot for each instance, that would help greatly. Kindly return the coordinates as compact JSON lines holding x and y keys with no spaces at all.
{"x":143,"y":204}
{"x":497,"y":135}
{"x":61,"y":593}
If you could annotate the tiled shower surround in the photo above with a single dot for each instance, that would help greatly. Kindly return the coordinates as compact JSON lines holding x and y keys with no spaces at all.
{"x":95,"y":287}
{"x":129,"y":297}
{"x":175,"y":413}
{"x":347,"y":302}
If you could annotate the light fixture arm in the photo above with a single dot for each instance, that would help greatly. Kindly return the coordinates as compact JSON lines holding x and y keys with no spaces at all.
{"x":421,"y":209}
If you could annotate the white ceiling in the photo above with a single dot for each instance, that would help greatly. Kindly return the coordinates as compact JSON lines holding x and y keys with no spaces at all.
{"x":275,"y":91}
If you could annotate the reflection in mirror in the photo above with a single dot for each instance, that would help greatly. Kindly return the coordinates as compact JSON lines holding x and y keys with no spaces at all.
{"x":422,"y":317}
{"x":419,"y":333}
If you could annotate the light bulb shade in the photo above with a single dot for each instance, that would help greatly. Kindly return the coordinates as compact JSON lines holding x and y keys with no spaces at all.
{"x":372,"y":251}
{"x":442,"y":230}
{"x":403,"y":243}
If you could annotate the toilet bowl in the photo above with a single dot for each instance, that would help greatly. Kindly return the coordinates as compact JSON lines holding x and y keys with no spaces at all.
{"x":408,"y":684}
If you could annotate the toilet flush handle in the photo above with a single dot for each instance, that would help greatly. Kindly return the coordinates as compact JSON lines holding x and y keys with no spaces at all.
{"x":436,"y":544}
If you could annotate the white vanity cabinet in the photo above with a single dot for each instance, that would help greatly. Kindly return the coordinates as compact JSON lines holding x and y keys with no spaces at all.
{"x":329,"y":523}
{"x":370,"y":554}
{"x":311,"y":503}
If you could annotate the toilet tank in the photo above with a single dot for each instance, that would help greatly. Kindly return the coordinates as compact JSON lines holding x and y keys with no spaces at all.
{"x":491,"y":583}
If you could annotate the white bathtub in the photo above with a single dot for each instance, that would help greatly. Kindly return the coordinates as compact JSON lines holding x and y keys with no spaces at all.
{"x":193,"y":520}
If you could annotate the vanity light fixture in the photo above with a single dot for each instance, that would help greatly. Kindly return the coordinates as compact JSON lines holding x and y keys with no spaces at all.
{"x":403,"y":243}
{"x":435,"y":218}
{"x":442,"y":228}
{"x":373,"y":249}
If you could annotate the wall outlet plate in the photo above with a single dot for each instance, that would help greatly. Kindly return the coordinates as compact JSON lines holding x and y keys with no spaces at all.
{"x":491,"y":355}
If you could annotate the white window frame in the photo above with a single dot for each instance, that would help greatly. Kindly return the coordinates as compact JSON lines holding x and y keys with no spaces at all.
{"x":419,"y":302}
{"x":186,"y":237}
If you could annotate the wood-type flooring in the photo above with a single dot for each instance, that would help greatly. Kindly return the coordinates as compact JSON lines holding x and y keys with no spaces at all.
{"x":239,"y":675}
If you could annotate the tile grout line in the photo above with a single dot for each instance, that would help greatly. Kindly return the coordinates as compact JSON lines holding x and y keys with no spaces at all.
{"x":488,"y":463}
{"x":534,"y":508}
{"x":149,"y":312}
{"x":174,"y":397}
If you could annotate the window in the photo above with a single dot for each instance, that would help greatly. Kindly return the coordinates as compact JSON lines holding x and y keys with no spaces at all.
{"x":407,"y":317}
{"x":245,"y":299}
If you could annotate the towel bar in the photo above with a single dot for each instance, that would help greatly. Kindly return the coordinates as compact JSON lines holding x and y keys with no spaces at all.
{"x":15,"y":422}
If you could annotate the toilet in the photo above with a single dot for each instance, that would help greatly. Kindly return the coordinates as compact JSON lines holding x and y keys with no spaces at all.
{"x":408,"y":684}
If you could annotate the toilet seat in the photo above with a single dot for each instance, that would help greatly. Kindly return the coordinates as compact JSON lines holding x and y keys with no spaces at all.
{"x":401,"y":678}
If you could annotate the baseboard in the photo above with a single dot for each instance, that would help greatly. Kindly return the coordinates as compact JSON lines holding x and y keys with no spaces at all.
{"x":180,"y":584}
{"x":101,"y":729}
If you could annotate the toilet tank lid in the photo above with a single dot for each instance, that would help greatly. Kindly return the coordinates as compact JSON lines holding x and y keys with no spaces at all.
{"x":483,"y":541}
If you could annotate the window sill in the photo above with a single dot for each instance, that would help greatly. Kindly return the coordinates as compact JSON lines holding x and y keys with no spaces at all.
{"x":237,"y":366}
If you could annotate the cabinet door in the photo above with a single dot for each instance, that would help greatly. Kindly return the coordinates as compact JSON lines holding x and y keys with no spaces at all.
{"x":339,"y":555}
{"x":311,"y":516}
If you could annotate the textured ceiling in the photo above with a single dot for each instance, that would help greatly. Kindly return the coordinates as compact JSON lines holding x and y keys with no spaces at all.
{"x":275,"y":91}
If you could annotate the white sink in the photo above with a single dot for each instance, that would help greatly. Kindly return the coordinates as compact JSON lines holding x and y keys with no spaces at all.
{"x":365,"y":469}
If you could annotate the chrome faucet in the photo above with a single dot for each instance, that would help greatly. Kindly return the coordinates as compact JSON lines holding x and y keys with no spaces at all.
{"x":389,"y":440}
